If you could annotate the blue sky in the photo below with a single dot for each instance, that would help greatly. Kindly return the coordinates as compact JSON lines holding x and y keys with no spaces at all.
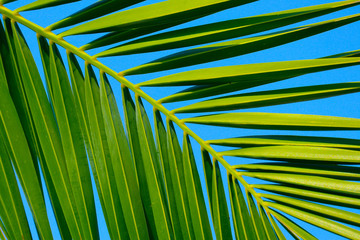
{"x":340,"y":40}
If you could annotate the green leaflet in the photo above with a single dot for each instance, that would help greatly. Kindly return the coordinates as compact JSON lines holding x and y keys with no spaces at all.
{"x":320,"y":210}
{"x":102,"y":158}
{"x":289,"y":140}
{"x":153,"y":174}
{"x":162,"y":143}
{"x":234,"y":48}
{"x":201,"y":91}
{"x":95,"y":10}
{"x":277,"y":230}
{"x":12,"y":211}
{"x":249,"y":74}
{"x":43,"y":4}
{"x":332,"y":198}
{"x":270,"y":98}
{"x":58,"y":211}
{"x":12,"y":135}
{"x":120,"y":155}
{"x":270,"y":232}
{"x":176,"y":162}
{"x":295,"y":230}
{"x":306,"y":181}
{"x":73,"y":144}
{"x":16,"y":91}
{"x":198,"y":212}
{"x":118,"y":36}
{"x":154,"y":14}
{"x":240,"y":214}
{"x":298,"y":153}
{"x":338,"y":172}
{"x":216,"y":195}
{"x":45,"y":126}
{"x":139,"y":160}
{"x":324,"y":223}
{"x":255,"y":218}
{"x":334,"y":171}
{"x":78,"y":87}
{"x":224,"y":30}
{"x":278,"y":121}
{"x":208,"y":170}
{"x":355,"y":53}
{"x":221,"y":219}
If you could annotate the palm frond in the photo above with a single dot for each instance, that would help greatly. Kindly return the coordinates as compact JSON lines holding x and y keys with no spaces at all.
{"x":60,"y":131}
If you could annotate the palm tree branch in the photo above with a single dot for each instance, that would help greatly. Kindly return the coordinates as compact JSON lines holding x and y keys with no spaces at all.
{"x":93,"y":61}
{"x":46,"y":33}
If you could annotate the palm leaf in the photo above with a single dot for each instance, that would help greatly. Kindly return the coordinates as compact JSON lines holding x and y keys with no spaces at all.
{"x":60,"y":131}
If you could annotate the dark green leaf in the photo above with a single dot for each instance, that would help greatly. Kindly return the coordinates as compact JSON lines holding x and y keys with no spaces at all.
{"x":270,"y":98}
{"x":224,"y":30}
{"x":278,"y":121}
{"x":289,"y":140}
{"x":235,"y":48}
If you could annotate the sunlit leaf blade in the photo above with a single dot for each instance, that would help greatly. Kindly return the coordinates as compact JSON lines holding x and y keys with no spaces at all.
{"x":241,"y":218}
{"x":221,"y":219}
{"x":97,"y":9}
{"x":118,"y":36}
{"x":55,"y":201}
{"x":102,"y":158}
{"x":251,"y":73}
{"x":306,"y":181}
{"x":58,"y":211}
{"x":269,"y":230}
{"x":198,"y":212}
{"x":270,"y":98}
{"x":73,"y":143}
{"x":78,"y":87}
{"x":153,"y":175}
{"x":162,"y":143}
{"x":278,"y":231}
{"x":336,"y":199}
{"x":321,"y":222}
{"x":139,"y":160}
{"x":11,"y":79}
{"x":318,"y":209}
{"x":234,"y":48}
{"x":298,"y":153}
{"x":224,"y":30}
{"x":289,"y":140}
{"x":294,"y":229}
{"x":124,"y":169}
{"x":334,"y":171}
{"x":208,"y":171}
{"x":201,"y":91}
{"x":10,"y":199}
{"x":155,"y":14}
{"x":43,"y":4}
{"x":255,"y":218}
{"x":355,"y":53}
{"x":176,"y":162}
{"x":13,"y":137}
{"x":45,"y":127}
{"x":278,"y":121}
